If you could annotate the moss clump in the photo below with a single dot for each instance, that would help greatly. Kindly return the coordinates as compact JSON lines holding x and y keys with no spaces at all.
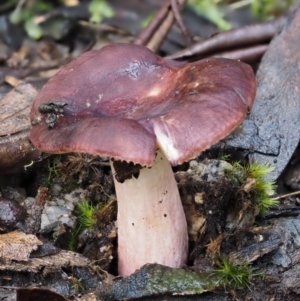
{"x":252,"y":178}
{"x":87,"y":219}
{"x":234,"y":276}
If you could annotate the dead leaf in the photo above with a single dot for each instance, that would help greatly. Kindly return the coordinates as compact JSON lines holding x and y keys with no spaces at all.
{"x":15,"y":109}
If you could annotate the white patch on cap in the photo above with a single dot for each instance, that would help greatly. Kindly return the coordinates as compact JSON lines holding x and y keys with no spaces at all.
{"x":100,"y":96}
{"x":154,"y":92}
{"x":165,"y":143}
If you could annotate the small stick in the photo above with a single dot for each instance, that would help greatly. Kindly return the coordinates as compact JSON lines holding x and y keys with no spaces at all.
{"x":185,"y":32}
{"x":145,"y":35}
{"x":37,"y":210}
{"x":286,"y":195}
{"x":153,"y":35}
{"x":247,"y":55}
{"x":239,"y":37}
{"x":159,"y":35}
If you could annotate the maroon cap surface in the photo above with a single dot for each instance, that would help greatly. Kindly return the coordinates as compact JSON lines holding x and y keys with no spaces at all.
{"x":122,"y":101}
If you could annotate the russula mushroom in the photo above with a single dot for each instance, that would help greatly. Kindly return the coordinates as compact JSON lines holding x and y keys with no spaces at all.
{"x":146,"y":113}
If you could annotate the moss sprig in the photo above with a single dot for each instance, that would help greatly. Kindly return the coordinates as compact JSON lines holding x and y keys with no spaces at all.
{"x":235,"y":276}
{"x":86,"y":216}
{"x":262,"y":189}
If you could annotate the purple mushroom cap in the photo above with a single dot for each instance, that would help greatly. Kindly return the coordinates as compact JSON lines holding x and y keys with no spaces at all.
{"x":123,"y":100}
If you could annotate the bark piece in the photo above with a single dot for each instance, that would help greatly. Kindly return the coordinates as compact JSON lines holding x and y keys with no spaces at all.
{"x":17,"y":245}
{"x":34,"y":265}
{"x":15,"y":148}
{"x":275,"y":116}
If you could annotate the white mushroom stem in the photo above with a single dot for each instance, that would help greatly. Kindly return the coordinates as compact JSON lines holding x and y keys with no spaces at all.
{"x":152,"y":225}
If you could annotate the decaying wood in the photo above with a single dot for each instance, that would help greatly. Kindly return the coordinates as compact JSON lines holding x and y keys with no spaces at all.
{"x":17,"y":246}
{"x":15,"y":147}
{"x":34,"y":265}
{"x":276,"y":110}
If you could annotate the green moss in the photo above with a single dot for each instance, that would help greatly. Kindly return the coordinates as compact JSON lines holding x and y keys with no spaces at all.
{"x":53,"y":166}
{"x":261,"y":9}
{"x":77,"y":285}
{"x":262,"y":190}
{"x":58,"y":173}
{"x":73,"y":239}
{"x":234,"y":276}
{"x":86,"y":215}
{"x":267,"y":9}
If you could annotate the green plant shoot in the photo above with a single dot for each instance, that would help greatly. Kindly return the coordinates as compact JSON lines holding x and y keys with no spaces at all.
{"x":100,"y":9}
{"x":87,"y":215}
{"x":235,"y":276}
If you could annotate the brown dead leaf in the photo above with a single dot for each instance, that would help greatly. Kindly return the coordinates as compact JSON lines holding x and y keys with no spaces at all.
{"x":17,"y":245}
{"x":15,"y":108}
{"x":13,"y":81}
{"x":213,"y":248}
{"x":18,"y":59}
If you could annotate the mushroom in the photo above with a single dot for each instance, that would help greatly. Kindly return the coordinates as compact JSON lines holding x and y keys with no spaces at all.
{"x":147,"y":114}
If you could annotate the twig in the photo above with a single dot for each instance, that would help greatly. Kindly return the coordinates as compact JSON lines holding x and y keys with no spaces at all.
{"x":176,"y":11}
{"x":240,"y":37}
{"x":145,"y":35}
{"x":153,"y":35}
{"x":247,"y":55}
{"x":104,"y":27}
{"x":286,"y":195}
{"x":158,"y":37}
{"x":37,"y":210}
